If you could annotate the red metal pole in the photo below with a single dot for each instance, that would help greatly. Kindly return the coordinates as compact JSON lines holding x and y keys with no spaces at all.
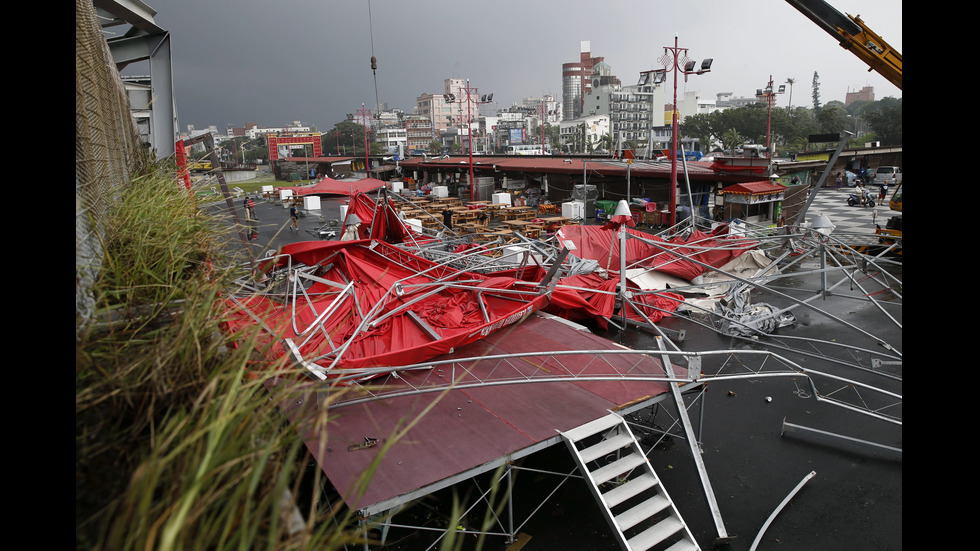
{"x":673,"y":136}
{"x":469,"y":139}
{"x":769,"y":117}
{"x":364,"y":113}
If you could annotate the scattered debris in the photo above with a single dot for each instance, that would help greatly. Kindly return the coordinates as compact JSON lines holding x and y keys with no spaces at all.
{"x":367,"y":443}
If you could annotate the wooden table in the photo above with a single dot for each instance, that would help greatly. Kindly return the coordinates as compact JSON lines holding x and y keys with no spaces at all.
{"x":514,"y":213}
{"x":470,"y":227}
{"x":528,"y":229}
{"x":553,"y":222}
{"x":521,"y":213}
{"x":447,"y":201}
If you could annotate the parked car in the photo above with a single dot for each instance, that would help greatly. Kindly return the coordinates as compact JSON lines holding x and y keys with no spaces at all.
{"x":891,"y":175}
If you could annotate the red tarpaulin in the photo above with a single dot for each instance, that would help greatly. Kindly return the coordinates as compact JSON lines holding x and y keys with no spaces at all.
{"x":328,"y":186}
{"x":401,"y":310}
{"x":675,"y":257}
{"x":381,"y":224}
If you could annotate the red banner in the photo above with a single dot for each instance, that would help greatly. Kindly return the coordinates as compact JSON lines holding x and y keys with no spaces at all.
{"x":182,"y":171}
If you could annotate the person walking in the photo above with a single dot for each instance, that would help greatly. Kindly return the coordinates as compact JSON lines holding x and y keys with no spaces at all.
{"x":251,"y":208}
{"x":882,"y":193}
{"x":294,"y":217}
{"x":248,"y":210}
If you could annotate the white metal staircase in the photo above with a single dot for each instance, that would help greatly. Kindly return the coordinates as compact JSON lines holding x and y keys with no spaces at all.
{"x":629,"y":492}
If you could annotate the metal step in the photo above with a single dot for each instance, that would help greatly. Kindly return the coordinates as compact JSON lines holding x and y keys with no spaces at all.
{"x":618,"y":467}
{"x":655,"y":534}
{"x":605,"y":447}
{"x":629,"y":489}
{"x":593,"y":427}
{"x":683,"y":545}
{"x":651,"y":499}
{"x":641,"y":512}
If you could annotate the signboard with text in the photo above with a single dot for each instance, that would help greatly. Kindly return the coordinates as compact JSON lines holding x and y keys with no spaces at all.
{"x":279,"y":146}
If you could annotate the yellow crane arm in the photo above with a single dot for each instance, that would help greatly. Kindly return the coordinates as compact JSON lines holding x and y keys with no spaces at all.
{"x":873,"y":50}
{"x":855,"y":36}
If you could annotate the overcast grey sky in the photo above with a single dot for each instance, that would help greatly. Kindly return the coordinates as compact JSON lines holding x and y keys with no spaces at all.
{"x":275,"y":61}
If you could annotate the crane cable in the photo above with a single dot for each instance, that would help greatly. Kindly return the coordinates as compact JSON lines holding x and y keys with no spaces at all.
{"x":374,"y":61}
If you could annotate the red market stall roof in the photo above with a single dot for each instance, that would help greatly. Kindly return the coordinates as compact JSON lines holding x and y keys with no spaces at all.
{"x":762,"y":187}
{"x":556,"y":165}
{"x":329,"y":186}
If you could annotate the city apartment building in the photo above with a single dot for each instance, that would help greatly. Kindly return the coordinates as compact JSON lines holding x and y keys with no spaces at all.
{"x":579,"y":78}
{"x":418,"y":132}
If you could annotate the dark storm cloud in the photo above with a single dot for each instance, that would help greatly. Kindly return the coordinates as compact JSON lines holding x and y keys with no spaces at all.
{"x":273,"y":62}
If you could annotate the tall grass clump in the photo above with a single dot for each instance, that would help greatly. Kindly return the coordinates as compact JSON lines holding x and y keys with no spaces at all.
{"x":176,"y":446}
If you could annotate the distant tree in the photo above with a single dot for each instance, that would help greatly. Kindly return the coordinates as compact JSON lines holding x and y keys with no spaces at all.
{"x":552,"y":134}
{"x":791,"y":82}
{"x":731,"y":140}
{"x":816,"y":91}
{"x":885,"y":118}
{"x":858,"y":141}
{"x":856,"y":108}
{"x":833,"y":118}
{"x":699,"y":126}
{"x":348,"y":135}
{"x":794,"y":146}
{"x":605,"y":142}
{"x":750,"y":121}
{"x":800,"y":123}
{"x":435,"y":148}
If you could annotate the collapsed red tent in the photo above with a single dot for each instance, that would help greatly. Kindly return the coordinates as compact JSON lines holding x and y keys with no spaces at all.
{"x":594,"y":295}
{"x":329,"y":186}
{"x":379,"y":220}
{"x":353,"y":305}
{"x":681,"y":257}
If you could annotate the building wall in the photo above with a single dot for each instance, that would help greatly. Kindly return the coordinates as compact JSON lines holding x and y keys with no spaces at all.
{"x":596,"y":126}
{"x":577,"y":81}
{"x":418,"y":132}
{"x":864,"y":94}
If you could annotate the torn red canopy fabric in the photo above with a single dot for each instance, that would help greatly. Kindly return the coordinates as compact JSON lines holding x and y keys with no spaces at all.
{"x":679,"y":257}
{"x":363,"y":304}
{"x":379,"y":220}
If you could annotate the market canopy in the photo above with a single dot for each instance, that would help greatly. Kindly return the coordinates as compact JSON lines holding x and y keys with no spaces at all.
{"x":329,"y":186}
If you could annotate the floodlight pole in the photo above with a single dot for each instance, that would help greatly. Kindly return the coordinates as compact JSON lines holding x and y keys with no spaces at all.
{"x":770,"y":96}
{"x":364,"y":116}
{"x":469,"y":131}
{"x":673,"y":63}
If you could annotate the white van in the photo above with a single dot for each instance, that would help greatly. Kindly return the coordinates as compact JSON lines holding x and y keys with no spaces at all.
{"x":890,"y":175}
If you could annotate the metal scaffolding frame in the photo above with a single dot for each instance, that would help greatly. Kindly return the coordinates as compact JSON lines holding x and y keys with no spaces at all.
{"x":511,"y":369}
{"x":841,"y":264}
